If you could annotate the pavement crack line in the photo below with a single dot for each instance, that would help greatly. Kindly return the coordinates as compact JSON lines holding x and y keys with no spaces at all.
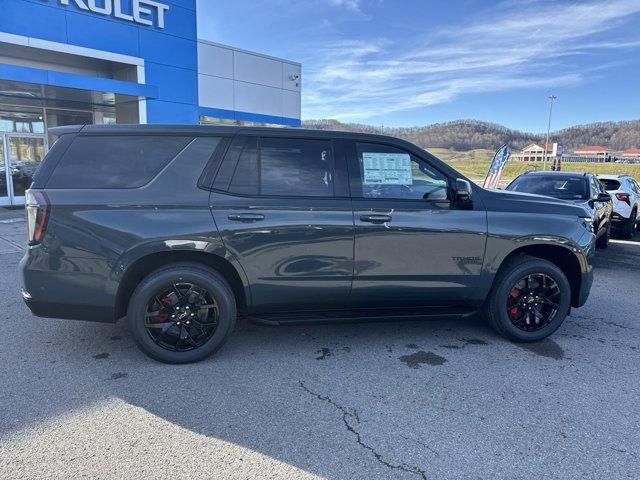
{"x":351,"y":421}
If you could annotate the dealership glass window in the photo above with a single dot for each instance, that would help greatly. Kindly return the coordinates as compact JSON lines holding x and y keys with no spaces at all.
{"x":207,"y":120}
{"x":61,"y":118}
{"x":296,"y":167}
{"x":24,"y":121}
{"x":24,"y":155}
{"x":4,"y":191}
{"x":390,"y":173}
{"x":115,"y":161}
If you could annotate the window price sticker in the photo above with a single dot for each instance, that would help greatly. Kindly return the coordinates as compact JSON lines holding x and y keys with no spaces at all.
{"x":386,"y":168}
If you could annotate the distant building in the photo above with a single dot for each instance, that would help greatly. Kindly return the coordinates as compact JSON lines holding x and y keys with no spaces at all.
{"x":592,"y":150}
{"x":591,"y":154}
{"x":630,"y":153}
{"x":535,"y":152}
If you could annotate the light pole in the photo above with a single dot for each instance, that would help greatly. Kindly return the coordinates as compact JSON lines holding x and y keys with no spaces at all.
{"x":546,"y":145}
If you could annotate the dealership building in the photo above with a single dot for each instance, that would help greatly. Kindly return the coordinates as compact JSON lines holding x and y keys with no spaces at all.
{"x":68,"y":62}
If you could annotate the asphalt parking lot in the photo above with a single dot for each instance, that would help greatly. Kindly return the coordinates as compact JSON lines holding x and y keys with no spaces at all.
{"x":422,"y":399}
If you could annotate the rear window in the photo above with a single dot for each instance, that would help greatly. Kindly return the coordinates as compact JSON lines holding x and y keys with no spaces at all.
{"x":565,"y":188}
{"x":610,"y":185}
{"x":115,"y":161}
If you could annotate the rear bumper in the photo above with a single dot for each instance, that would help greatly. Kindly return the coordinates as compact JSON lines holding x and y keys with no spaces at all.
{"x":52,"y":288}
{"x":619,"y":219}
{"x":68,"y":311}
{"x":621,"y":210}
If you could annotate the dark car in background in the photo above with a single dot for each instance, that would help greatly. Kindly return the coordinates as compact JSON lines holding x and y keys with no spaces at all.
{"x":583,"y":189}
{"x":182,"y":229}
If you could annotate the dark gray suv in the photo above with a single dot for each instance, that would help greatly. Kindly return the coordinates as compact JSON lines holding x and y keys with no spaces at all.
{"x":181,"y":229}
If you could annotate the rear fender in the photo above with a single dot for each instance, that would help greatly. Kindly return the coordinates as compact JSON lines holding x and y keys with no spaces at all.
{"x":194,"y":245}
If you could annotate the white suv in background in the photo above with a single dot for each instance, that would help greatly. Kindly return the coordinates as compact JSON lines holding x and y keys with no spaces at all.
{"x":625,"y":192}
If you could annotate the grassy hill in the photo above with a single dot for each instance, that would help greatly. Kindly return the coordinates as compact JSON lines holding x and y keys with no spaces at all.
{"x":475,"y":164}
{"x":465,"y":135}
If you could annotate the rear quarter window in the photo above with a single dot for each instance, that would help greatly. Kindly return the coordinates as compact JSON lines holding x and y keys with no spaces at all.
{"x":94,"y":162}
{"x":610,"y":184}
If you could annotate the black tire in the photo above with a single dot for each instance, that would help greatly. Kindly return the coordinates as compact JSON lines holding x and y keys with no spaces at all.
{"x":514,"y":270}
{"x":206,"y":279}
{"x":629,"y":227}
{"x":603,"y":242}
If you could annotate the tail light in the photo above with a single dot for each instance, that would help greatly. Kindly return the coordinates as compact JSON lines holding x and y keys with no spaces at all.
{"x":38,"y":209}
{"x":624,"y":197}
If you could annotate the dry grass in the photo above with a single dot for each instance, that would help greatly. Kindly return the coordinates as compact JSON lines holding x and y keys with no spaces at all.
{"x":475,"y":164}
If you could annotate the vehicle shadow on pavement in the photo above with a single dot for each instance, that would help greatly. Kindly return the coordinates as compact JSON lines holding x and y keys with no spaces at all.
{"x":393,"y":399}
{"x":321,"y":398}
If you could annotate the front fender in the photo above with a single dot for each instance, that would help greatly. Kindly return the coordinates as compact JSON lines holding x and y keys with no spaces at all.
{"x":510,"y":232}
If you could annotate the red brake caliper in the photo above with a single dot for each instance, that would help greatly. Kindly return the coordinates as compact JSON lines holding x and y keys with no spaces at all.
{"x":162,"y":317}
{"x":512,"y":301}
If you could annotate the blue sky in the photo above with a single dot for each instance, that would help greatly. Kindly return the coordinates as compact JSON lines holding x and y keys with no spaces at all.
{"x":415,"y":62}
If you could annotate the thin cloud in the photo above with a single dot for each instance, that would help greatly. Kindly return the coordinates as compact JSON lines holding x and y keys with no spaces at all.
{"x":527,"y":45}
{"x":352,"y":5}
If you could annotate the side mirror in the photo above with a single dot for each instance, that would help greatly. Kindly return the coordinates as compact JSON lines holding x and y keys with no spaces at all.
{"x":600,"y":197}
{"x":463,"y":191}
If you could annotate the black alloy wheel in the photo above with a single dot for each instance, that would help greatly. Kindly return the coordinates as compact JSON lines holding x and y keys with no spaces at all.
{"x":181,"y":317}
{"x":529,"y":299}
{"x":532,"y":302}
{"x":182,"y":313}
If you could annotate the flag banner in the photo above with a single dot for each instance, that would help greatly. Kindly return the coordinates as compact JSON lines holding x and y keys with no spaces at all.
{"x":497,"y":166}
{"x":557,"y":161}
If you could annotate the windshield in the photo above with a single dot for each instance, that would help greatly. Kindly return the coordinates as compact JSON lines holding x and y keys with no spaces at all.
{"x":565,"y":188}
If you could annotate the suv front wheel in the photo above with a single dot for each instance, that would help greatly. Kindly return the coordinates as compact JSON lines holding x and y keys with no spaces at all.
{"x":603,"y":241}
{"x":529,"y":300}
{"x":181,"y":313}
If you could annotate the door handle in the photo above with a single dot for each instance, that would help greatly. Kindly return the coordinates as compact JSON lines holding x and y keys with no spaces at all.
{"x":375,"y":218}
{"x":246,"y":217}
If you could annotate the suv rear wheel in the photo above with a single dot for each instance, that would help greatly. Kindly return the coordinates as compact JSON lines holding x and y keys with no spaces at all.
{"x":529,"y":300}
{"x":181,"y":313}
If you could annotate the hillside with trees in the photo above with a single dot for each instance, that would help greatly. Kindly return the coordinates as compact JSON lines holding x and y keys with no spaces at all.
{"x":462,"y":135}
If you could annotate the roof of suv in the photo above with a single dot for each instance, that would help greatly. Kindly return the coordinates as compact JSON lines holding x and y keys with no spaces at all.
{"x":123,"y":129}
{"x":230,"y":130}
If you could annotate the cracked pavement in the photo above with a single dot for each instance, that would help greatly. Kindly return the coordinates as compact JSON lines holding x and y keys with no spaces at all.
{"x":445,"y":399}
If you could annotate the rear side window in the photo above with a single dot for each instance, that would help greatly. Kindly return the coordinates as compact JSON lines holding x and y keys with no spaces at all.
{"x":246,"y":177}
{"x":277,"y":166}
{"x":115,"y":161}
{"x":296,"y":167}
{"x":610,"y":185}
